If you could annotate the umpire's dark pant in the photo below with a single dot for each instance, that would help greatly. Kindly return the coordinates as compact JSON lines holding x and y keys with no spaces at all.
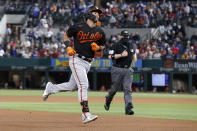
{"x":122,"y":76}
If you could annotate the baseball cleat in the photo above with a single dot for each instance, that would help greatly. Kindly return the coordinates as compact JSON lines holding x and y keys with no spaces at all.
{"x":106,"y":107}
{"x":107,"y":103}
{"x":128,"y":110}
{"x":47,"y":91}
{"x":86,"y":118}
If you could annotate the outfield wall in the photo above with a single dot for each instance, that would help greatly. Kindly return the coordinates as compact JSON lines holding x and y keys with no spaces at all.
{"x":34,"y":73}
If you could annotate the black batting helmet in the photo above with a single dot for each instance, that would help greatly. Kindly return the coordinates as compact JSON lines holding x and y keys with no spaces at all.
{"x":94,"y":9}
{"x":90,"y":16}
{"x":125,"y":33}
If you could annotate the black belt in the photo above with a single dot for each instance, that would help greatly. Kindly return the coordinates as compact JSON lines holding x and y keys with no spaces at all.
{"x":121,"y":66}
{"x":84,"y":58}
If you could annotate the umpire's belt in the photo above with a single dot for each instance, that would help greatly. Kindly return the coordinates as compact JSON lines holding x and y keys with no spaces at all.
{"x":84,"y":58}
{"x":121,"y":66}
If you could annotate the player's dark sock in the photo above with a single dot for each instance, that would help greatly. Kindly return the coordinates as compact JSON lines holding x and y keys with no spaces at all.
{"x":84,"y":106}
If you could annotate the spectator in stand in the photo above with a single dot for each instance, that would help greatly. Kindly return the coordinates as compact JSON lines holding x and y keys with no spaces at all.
{"x":149,"y":53}
{"x":12,"y":44}
{"x":54,"y":45}
{"x":169,"y":55}
{"x":175,"y":50}
{"x":38,"y":35}
{"x":18,"y":52}
{"x":53,"y":8}
{"x":159,"y":17}
{"x":36,"y":54}
{"x":60,"y":34}
{"x":30,"y":22}
{"x":195,"y":45}
{"x":185,"y":56}
{"x":49,"y":35}
{"x":55,"y":53}
{"x":157,"y":54}
{"x":136,"y":38}
{"x":47,"y":46}
{"x":2,"y":52}
{"x":146,"y":21}
{"x":13,"y":51}
{"x":44,"y":22}
{"x":192,"y":54}
{"x":27,"y":53}
{"x":43,"y":52}
{"x":35,"y":11}
{"x":26,"y":43}
{"x":9,"y":33}
{"x":162,"y":51}
{"x":142,"y":54}
{"x":7,"y":51}
{"x":180,"y":47}
{"x":31,"y":35}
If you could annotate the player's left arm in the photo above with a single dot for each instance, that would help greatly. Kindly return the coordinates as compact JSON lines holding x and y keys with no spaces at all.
{"x":99,"y":45}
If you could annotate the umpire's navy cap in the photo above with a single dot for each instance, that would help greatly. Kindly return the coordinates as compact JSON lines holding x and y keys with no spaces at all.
{"x":95,"y":9}
{"x":124,"y":33}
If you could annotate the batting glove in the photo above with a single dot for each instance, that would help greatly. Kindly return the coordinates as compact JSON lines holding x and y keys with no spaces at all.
{"x":70,"y":51}
{"x":95,"y":47}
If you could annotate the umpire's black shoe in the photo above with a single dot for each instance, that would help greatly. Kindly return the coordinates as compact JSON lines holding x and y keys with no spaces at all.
{"x":128,"y":109}
{"x":107,"y":103}
{"x":129,"y":112}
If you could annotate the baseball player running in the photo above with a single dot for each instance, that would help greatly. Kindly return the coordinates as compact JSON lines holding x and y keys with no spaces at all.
{"x":88,"y":38}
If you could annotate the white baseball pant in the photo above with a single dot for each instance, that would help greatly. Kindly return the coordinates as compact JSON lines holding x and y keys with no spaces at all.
{"x":79,"y":68}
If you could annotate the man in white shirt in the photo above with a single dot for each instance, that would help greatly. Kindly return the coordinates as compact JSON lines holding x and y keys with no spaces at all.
{"x":48,"y":35}
{"x":38,"y":35}
{"x":2,"y":52}
{"x":26,"y":43}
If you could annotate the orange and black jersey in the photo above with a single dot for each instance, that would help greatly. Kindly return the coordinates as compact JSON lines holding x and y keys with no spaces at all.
{"x":83,"y":37}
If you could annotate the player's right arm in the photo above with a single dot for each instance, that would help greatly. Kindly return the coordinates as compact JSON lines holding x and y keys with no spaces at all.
{"x":71,"y":32}
{"x":65,"y":37}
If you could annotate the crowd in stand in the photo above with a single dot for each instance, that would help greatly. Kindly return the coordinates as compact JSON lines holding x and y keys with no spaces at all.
{"x":170,"y":18}
{"x":150,"y":14}
{"x":57,"y":14}
{"x":36,"y":44}
{"x":171,"y":43}
{"x":116,"y":14}
{"x":119,"y":14}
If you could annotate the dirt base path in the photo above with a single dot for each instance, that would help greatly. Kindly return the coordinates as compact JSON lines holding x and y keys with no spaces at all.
{"x":12,"y":120}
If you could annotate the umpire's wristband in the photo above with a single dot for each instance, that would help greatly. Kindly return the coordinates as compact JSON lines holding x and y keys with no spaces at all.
{"x":67,"y":43}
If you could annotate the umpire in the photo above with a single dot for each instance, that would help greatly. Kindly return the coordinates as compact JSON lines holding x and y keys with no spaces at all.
{"x":122,"y":55}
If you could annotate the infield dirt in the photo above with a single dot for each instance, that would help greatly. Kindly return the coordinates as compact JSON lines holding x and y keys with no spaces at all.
{"x":14,"y":120}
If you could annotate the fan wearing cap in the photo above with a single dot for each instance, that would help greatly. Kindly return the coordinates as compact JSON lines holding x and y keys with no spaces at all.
{"x":122,"y":54}
{"x":88,"y":39}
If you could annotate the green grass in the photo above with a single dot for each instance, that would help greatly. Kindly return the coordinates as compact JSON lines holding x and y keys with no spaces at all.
{"x":169,"y":111}
{"x":93,"y":94}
